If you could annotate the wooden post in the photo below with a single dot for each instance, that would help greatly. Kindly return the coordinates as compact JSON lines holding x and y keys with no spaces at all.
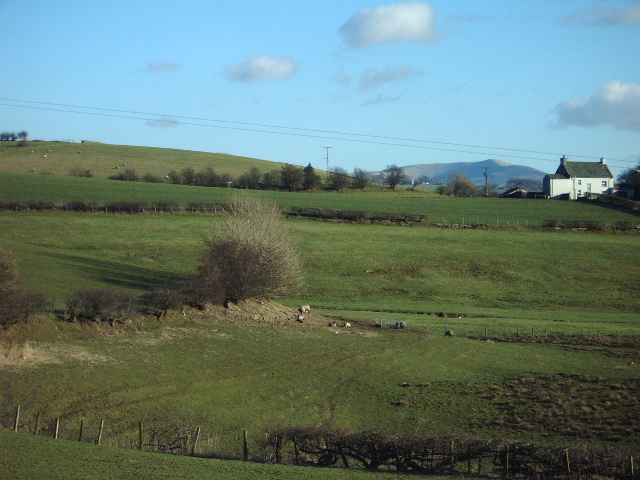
{"x":100,"y":432}
{"x":37,"y":429}
{"x":81,"y":430}
{"x":632,"y":469}
{"x":245,"y":446}
{"x":141,"y":435}
{"x":485,"y":331}
{"x":566,"y":457}
{"x":57,"y":429}
{"x":195,"y":442}
{"x":17,"y":421}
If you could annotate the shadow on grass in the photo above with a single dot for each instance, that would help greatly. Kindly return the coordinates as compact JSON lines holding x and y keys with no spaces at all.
{"x":116,"y":274}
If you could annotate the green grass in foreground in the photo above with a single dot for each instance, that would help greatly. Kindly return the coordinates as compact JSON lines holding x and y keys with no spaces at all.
{"x":25,"y":457}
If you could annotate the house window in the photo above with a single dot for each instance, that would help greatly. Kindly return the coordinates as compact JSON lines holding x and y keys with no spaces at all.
{"x":579,"y":182}
{"x":588,"y":187}
{"x":579,"y":193}
{"x":604,"y":183}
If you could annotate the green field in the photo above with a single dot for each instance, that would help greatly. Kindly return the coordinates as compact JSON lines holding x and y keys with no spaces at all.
{"x":224,"y":375}
{"x":58,"y":158}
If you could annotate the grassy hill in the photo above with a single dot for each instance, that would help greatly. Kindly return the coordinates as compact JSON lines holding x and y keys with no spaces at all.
{"x":558,"y":364}
{"x":101,"y":159}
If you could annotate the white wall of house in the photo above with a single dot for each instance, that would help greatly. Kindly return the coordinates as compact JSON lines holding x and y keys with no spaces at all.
{"x":578,"y":187}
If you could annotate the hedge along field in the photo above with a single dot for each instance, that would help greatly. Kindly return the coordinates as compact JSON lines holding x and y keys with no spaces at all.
{"x":540,"y":276}
{"x":492,"y":211}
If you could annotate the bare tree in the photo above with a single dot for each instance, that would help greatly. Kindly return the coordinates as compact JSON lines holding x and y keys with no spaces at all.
{"x":338,"y":179}
{"x":251,"y":251}
{"x":394,"y":176}
{"x":360,"y":178}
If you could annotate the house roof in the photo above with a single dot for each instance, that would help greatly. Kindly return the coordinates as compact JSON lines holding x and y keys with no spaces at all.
{"x":584,"y":170}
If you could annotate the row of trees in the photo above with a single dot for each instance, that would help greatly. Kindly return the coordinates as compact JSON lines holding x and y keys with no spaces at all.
{"x":11,"y":136}
{"x":288,"y":177}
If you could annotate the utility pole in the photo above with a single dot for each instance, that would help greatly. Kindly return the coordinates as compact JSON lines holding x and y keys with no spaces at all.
{"x":327,"y":148}
{"x":486,"y":182}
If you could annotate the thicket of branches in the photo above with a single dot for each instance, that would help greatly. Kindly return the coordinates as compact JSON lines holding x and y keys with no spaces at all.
{"x":427,"y":454}
{"x":251,"y":252}
{"x":16,"y":304}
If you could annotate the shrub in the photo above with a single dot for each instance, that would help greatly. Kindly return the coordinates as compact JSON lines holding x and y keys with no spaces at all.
{"x":100,"y":305}
{"x":79,"y":172}
{"x":15,"y":304}
{"x":251,"y":251}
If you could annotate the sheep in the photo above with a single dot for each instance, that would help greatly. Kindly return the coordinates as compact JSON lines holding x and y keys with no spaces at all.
{"x":300,"y":319}
{"x":347,"y":325}
{"x":332,"y":324}
{"x":400,"y":325}
{"x":305,"y":309}
{"x":449,"y":333}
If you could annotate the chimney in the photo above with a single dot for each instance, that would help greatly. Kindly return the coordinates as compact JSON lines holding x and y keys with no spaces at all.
{"x":603,"y":161}
{"x":563,"y":160}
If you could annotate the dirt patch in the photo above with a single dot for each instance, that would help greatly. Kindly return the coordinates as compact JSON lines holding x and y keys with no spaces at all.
{"x":30,"y":354}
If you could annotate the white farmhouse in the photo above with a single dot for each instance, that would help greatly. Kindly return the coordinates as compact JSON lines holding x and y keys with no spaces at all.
{"x":574,"y":179}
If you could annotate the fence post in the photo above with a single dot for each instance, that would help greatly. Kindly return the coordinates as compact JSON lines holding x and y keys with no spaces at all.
{"x":195,"y":442}
{"x":35,"y":430}
{"x":485,"y":331}
{"x":100,"y":432}
{"x":141,"y":435}
{"x":245,"y":446}
{"x":81,"y":430}
{"x":17,"y":420}
{"x":57,"y":429}
{"x":566,"y":456}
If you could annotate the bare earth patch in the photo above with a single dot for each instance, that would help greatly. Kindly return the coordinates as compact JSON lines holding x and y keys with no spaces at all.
{"x":30,"y":354}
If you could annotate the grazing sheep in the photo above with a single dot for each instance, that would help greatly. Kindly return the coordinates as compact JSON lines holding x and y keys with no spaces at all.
{"x":400,"y":325}
{"x":449,"y":333}
{"x":300,"y":319}
{"x":305,"y":309}
{"x":347,"y":325}
{"x":332,"y":324}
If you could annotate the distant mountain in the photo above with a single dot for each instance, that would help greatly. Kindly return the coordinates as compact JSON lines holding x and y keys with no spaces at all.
{"x":499,"y":172}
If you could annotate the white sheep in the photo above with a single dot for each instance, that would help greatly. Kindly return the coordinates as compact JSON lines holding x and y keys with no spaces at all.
{"x":347,"y":325}
{"x":305,"y":309}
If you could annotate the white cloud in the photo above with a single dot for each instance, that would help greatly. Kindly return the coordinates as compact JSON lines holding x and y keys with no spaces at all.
{"x":161,"y":66}
{"x":163,"y":122}
{"x":603,"y":14}
{"x":260,"y":68}
{"x":412,"y":21}
{"x":373,"y":77}
{"x":616,"y":103}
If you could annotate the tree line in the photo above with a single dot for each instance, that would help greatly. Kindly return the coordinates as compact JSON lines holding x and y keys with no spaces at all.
{"x":289,"y":178}
{"x":7,"y":136}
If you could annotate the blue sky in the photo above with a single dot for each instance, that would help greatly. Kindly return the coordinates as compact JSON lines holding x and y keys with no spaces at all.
{"x":379,"y":82}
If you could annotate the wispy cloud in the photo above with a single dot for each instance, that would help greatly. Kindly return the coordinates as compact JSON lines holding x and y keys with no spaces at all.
{"x":603,"y":14}
{"x":411,"y":21}
{"x":380,"y":99}
{"x":616,"y":103}
{"x":260,"y":68}
{"x":341,"y":78}
{"x":161,"y":66}
{"x":373,"y":77}
{"x":163,"y":122}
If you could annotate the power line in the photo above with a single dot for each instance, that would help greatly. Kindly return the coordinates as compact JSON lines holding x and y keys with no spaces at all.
{"x":290,"y":131}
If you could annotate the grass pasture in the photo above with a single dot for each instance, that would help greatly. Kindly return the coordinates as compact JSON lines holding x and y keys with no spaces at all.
{"x":225,"y":376}
{"x":101,"y":159}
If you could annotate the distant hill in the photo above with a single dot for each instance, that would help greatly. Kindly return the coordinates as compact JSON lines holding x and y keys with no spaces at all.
{"x":499,"y":172}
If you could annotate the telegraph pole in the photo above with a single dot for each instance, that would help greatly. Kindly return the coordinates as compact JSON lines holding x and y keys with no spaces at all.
{"x":327,"y":148}
{"x":486,"y":182}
